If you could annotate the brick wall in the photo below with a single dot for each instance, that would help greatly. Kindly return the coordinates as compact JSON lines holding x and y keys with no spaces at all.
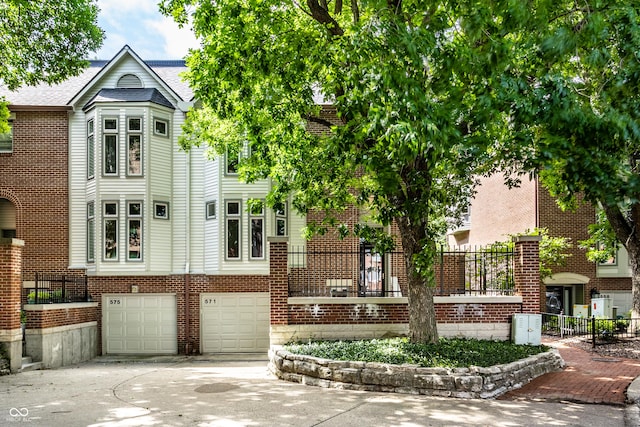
{"x":10,"y":283}
{"x":62,"y":316}
{"x":34,"y":178}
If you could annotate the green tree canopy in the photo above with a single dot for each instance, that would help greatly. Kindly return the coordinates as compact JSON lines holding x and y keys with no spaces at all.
{"x":46,"y":41}
{"x":415,"y":121}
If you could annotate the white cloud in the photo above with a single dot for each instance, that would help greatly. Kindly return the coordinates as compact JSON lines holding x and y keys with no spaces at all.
{"x":140,"y":25}
{"x":177,"y":40}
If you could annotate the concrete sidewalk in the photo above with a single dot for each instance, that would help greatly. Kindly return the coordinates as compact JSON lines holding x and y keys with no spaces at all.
{"x":235,"y":391}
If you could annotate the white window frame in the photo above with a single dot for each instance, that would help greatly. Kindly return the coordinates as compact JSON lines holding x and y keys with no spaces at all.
{"x":281,"y":217}
{"x":134,"y":233}
{"x":91,"y":232}
{"x":161,"y":210}
{"x":210,"y":209}
{"x":108,"y":217}
{"x":91,"y":149}
{"x":236,"y":219}
{"x":6,"y":139}
{"x":110,"y":133}
{"x":257,"y":230}
{"x":132,"y":134}
{"x":159,"y":132}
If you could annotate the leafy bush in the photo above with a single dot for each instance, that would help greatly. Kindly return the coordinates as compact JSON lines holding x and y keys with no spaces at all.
{"x":448,"y":353}
{"x":45,"y":296}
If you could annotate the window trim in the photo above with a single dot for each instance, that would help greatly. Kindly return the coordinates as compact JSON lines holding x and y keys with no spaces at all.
{"x":109,"y":132}
{"x":166,"y":127}
{"x":135,"y":217}
{"x":207,"y":209}
{"x":91,"y":149}
{"x":10,"y":139}
{"x":156,"y":205}
{"x":237,"y":218}
{"x":281,"y":215}
{"x":133,"y":133}
{"x":91,"y":232}
{"x":115,"y":218}
{"x":255,"y":215}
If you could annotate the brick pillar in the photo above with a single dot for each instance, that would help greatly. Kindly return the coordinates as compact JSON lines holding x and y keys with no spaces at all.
{"x":527,"y":272}
{"x":10,"y":287}
{"x":278,"y":280}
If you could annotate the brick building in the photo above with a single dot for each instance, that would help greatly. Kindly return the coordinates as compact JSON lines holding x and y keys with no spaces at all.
{"x":496,"y":212}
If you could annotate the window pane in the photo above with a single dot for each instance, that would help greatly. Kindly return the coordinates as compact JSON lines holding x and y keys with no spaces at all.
{"x":135,"y":124}
{"x":135,"y":209}
{"x":110,"y":124}
{"x":110,"y":154}
{"x":111,"y":209}
{"x":90,"y":157}
{"x":111,"y":239}
{"x":281,"y":227}
{"x":233,"y":238}
{"x":135,"y":166}
{"x":135,"y":230}
{"x":257,"y":231}
{"x":91,"y":239}
{"x":160,"y":127}
{"x":211,"y":210}
{"x":6,"y":141}
{"x":233,"y":208}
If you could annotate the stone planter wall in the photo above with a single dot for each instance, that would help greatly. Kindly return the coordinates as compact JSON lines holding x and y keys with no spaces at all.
{"x":473,"y":382}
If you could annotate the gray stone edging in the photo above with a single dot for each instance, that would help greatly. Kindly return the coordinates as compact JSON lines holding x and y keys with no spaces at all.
{"x":471,"y":383}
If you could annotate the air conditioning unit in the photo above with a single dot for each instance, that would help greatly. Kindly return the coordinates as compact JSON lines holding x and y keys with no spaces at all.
{"x":526,"y":329}
{"x":601,"y":307}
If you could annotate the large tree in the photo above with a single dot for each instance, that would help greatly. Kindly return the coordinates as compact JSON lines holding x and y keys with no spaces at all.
{"x":413,"y":127}
{"x":577,"y":97}
{"x":45,"y":41}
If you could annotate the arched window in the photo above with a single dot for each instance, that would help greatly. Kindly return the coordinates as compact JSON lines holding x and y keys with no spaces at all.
{"x":129,"y":81}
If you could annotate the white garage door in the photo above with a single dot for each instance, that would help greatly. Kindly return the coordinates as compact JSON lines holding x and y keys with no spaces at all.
{"x":234,"y":322}
{"x":139,"y":324}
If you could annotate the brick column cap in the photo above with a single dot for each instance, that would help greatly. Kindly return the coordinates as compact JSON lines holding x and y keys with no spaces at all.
{"x":277,"y":239}
{"x":518,"y":239}
{"x":11,"y":242}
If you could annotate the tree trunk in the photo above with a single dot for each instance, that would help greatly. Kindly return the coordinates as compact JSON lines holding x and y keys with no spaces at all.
{"x":422,"y":313}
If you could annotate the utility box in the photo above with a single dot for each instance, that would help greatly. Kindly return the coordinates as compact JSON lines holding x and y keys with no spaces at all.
{"x":581,"y":310}
{"x":601,"y":307}
{"x":526,"y":329}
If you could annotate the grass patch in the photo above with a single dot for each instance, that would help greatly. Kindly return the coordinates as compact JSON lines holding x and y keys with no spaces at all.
{"x":448,"y":353}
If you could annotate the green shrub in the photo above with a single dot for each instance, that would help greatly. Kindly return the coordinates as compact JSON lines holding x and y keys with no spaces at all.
{"x":449,"y":353}
{"x":45,"y":296}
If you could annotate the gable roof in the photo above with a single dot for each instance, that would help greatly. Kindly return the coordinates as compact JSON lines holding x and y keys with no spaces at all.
{"x":69,"y":92}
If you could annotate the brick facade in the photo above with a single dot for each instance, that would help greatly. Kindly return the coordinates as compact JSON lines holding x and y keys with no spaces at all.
{"x":34,"y":178}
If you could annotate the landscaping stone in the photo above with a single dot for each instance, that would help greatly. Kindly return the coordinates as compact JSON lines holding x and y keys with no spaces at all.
{"x":467,"y":383}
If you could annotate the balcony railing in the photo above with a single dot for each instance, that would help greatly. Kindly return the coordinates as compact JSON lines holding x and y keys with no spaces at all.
{"x":366,"y":274}
{"x":55,"y":289}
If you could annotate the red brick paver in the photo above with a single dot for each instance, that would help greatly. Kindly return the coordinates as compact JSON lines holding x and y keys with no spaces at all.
{"x":587,"y":378}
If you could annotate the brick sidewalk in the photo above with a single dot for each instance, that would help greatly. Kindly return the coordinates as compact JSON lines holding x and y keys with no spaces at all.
{"x":587,"y":378}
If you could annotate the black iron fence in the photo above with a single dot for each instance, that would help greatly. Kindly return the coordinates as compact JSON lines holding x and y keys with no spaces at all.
{"x":598,"y":330}
{"x":43,"y":288}
{"x":365,"y":273}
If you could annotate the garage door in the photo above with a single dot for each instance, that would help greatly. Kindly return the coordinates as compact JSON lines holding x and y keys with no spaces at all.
{"x":139,"y":324}
{"x":234,"y":322}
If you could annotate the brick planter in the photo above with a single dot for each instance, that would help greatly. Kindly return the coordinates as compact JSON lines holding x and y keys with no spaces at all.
{"x":470,"y":383}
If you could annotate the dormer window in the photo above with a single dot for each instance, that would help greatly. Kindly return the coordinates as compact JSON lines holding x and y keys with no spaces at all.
{"x":129,"y":81}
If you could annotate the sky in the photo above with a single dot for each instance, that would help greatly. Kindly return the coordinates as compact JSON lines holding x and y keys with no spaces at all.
{"x":140,"y":24}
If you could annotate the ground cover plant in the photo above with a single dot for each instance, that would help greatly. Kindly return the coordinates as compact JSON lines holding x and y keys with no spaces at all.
{"x":447,"y":353}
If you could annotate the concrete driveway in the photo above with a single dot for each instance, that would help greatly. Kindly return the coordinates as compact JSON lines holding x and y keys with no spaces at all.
{"x":208,"y":391}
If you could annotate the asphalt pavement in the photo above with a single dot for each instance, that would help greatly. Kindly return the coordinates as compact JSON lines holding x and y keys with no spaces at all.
{"x":238,"y":390}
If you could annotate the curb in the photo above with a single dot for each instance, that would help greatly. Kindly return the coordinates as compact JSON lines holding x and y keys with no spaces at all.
{"x":632,"y":411}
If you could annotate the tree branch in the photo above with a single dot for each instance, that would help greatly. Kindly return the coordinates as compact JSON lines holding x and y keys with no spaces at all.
{"x":321,"y":15}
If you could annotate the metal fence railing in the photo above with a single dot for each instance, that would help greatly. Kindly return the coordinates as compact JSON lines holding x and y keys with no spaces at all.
{"x":365,"y":273}
{"x":46,"y":288}
{"x":597,"y":330}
